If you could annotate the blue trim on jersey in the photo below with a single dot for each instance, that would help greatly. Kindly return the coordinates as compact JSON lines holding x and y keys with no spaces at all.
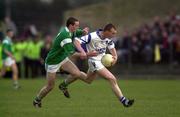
{"x":83,"y":40}
{"x":98,"y":33}
{"x":83,"y":45}
{"x":89,"y":39}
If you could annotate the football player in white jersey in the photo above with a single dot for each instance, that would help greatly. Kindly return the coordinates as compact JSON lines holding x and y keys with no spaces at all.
{"x":98,"y":41}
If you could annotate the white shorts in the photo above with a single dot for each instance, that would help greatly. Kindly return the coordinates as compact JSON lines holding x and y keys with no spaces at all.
{"x":8,"y":62}
{"x":55,"y":68}
{"x":95,"y":65}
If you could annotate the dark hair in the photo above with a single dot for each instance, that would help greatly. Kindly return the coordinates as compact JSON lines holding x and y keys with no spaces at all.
{"x":109,"y":26}
{"x":9,"y":30}
{"x":71,"y":21}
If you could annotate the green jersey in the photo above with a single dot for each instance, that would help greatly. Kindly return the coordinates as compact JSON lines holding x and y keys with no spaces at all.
{"x":62,"y":47}
{"x":6,"y":45}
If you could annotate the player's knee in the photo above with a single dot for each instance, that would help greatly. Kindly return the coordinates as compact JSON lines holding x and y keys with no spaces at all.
{"x":112,"y":80}
{"x":76,"y":74}
{"x":15,"y":70}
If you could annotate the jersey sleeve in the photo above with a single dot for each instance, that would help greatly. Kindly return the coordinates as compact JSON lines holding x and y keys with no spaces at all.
{"x":111,"y":45}
{"x":78,"y":33}
{"x":84,"y":39}
{"x":67,"y":45}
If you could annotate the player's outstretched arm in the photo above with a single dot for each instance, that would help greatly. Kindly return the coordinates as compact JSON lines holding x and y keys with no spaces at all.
{"x":81,"y":53}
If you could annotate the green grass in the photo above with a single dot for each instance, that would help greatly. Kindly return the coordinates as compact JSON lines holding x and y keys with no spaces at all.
{"x":154,"y":98}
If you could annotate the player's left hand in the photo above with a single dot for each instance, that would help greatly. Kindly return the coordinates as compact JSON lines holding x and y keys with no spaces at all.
{"x":115,"y":60}
{"x":83,"y":55}
{"x":85,"y":30}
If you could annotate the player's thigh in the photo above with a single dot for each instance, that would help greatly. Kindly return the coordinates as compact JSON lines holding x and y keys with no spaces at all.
{"x":105,"y":73}
{"x":70,"y":67}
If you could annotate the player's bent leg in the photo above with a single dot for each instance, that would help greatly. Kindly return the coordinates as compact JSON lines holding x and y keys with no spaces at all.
{"x":45,"y":90}
{"x":74,"y":72}
{"x":105,"y":73}
{"x":70,"y":67}
{"x":113,"y":82}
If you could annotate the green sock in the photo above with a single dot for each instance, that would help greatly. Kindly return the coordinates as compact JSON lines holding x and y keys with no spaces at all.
{"x":65,"y":84}
{"x":37,"y":99}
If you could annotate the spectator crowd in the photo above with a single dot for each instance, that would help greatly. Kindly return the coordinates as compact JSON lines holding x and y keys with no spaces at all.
{"x":153,"y":42}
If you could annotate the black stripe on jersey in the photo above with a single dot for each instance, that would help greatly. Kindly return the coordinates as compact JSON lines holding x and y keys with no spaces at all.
{"x":110,"y":42}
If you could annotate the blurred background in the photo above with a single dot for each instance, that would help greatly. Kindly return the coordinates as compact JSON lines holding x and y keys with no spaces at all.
{"x":148,"y":39}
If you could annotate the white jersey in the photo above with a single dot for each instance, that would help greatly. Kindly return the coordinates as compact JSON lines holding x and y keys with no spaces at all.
{"x":93,"y":41}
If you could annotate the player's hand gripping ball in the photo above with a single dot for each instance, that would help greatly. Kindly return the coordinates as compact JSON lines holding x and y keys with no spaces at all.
{"x":107,"y":60}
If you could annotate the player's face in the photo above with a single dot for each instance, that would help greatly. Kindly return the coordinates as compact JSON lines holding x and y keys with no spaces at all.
{"x":75,"y":26}
{"x":111,"y":33}
{"x":11,"y":34}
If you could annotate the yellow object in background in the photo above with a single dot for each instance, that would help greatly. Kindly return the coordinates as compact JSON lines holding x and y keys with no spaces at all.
{"x":157,"y":54}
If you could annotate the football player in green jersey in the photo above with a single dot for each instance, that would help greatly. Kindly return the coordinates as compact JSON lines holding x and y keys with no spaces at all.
{"x":8,"y":58}
{"x":57,"y":57}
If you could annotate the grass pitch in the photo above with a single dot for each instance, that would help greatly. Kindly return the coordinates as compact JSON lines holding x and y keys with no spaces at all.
{"x":153,"y":98}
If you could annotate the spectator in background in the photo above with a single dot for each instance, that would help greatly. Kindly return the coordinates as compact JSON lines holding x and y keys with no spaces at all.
{"x":176,"y":44}
{"x":36,"y":65}
{"x":18,"y":49}
{"x":27,"y":53}
{"x":124,"y":51}
{"x":33,"y":46}
{"x":33,"y":65}
{"x":44,"y":51}
{"x":164,"y":47}
{"x":146,"y":49}
{"x":135,"y":48}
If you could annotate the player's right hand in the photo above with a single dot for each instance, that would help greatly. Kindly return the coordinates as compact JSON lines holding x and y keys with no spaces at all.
{"x":92,"y":53}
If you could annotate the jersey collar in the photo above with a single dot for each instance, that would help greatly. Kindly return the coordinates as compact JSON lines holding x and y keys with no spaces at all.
{"x":70,"y":34}
{"x":98,"y":33}
{"x":8,"y":38}
{"x":66,"y":28}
